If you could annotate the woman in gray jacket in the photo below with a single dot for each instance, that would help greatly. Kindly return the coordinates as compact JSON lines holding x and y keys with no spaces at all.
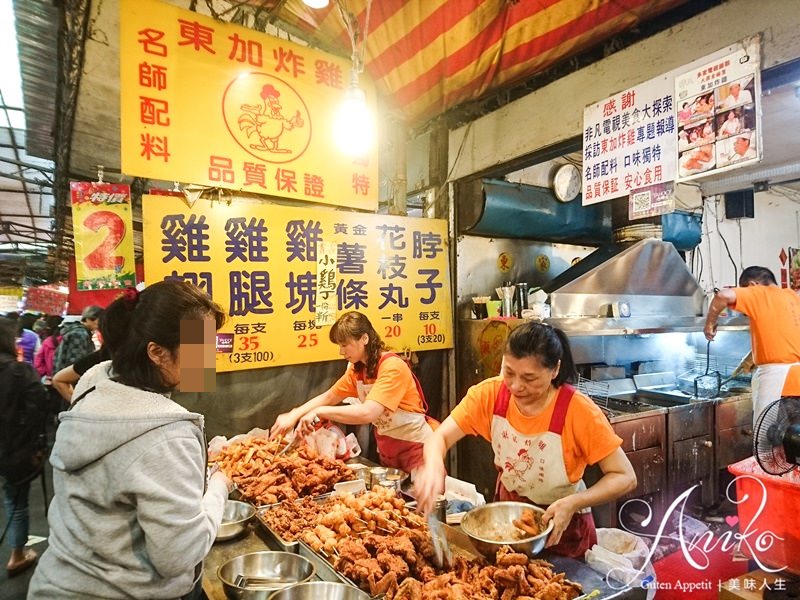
{"x":132,"y":516}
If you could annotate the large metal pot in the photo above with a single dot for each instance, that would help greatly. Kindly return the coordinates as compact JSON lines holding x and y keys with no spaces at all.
{"x":235,"y":517}
{"x":257,"y":575}
{"x":320,"y":590}
{"x":490,"y":527}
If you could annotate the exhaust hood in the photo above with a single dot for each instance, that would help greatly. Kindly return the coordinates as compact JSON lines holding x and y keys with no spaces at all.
{"x":647,"y":280}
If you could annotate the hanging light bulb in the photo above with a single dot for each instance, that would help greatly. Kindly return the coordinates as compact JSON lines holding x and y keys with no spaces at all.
{"x":354,"y":127}
{"x":316,"y":3}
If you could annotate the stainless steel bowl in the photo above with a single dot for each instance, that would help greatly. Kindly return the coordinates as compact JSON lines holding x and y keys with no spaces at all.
{"x":395,"y":476}
{"x":235,"y":517}
{"x":491,"y":527}
{"x":320,"y":590}
{"x":257,"y":575}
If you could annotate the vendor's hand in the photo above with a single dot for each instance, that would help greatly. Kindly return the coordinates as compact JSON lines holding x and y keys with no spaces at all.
{"x":429,"y":484}
{"x":561,"y":512}
{"x":283,"y":425}
{"x":710,"y":331}
{"x":307,"y":424}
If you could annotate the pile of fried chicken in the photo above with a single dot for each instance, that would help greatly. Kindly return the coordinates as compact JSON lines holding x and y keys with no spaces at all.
{"x":374,"y":540}
{"x":322,"y":522}
{"x":264,"y":477}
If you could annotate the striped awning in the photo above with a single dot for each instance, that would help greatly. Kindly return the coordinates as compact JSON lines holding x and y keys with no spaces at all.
{"x":428,"y":56}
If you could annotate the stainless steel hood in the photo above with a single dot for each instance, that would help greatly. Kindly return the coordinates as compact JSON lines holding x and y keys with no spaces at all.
{"x":643,"y":287}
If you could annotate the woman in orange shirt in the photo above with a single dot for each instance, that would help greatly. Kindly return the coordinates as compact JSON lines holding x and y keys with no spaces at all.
{"x":543,"y":432}
{"x":382,"y":389}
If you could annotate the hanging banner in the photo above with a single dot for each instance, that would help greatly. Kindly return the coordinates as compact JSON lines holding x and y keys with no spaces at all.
{"x":718,"y":105}
{"x":48,"y":299}
{"x":102,"y":226}
{"x":220,"y":105}
{"x":10,"y":298}
{"x":629,"y":141}
{"x":269,"y":267}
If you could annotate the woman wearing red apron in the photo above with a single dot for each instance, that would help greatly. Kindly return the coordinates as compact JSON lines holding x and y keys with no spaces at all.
{"x":380,"y":389}
{"x":543,"y":432}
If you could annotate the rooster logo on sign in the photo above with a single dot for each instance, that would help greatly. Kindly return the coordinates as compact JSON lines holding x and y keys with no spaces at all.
{"x":267,"y":122}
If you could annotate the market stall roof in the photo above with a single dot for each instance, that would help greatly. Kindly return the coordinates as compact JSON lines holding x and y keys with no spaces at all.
{"x":26,"y":199}
{"x":427,"y":57}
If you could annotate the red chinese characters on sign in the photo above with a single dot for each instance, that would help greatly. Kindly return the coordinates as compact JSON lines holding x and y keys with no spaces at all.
{"x":714,"y":71}
{"x":360,"y":184}
{"x":150,"y":40}
{"x":328,"y":73}
{"x":152,"y":76}
{"x":199,"y":37}
{"x":246,"y":51}
{"x":289,"y":61}
{"x":154,"y":146}
{"x":153,"y":111}
{"x":221,"y":169}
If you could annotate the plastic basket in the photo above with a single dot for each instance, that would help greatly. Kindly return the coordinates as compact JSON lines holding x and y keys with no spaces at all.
{"x":778,"y":515}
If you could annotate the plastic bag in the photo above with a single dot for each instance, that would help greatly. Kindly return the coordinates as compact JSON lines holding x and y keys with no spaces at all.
{"x":331,"y":442}
{"x":220,"y":442}
{"x":622,"y":556}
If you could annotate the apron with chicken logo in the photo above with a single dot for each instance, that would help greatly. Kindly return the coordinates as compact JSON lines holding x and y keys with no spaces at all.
{"x":399,"y":434}
{"x":531,"y":469}
{"x":768,"y":385}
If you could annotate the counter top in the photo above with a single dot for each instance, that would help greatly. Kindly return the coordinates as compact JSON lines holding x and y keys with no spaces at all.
{"x":256,"y":539}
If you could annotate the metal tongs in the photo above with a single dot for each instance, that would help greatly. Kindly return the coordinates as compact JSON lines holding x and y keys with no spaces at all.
{"x":290,"y":446}
{"x":298,"y":438}
{"x":442,"y":555}
{"x":260,"y":583}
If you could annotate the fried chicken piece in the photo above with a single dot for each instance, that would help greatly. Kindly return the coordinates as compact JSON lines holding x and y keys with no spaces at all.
{"x":385,"y":585}
{"x":410,"y":589}
{"x":392,"y":563}
{"x":402,"y":546}
{"x":506,"y":558}
{"x":529,"y":522}
{"x":509,"y":576}
{"x":360,"y":571}
{"x":351,"y":549}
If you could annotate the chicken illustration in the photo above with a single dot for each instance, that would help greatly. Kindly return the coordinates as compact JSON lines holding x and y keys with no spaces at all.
{"x":266,"y":120}
{"x":521,"y":465}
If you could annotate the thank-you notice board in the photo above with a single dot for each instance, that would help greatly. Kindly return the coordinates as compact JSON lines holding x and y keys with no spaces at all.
{"x":283,"y":274}
{"x":211,"y":103}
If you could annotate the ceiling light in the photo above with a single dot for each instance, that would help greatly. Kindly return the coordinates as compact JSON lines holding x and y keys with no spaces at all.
{"x":354,"y":127}
{"x":316,"y":3}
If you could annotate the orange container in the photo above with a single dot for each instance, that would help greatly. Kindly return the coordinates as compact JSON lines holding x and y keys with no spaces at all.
{"x":768,"y":506}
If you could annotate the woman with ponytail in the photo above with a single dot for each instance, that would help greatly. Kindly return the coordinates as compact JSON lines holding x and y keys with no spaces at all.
{"x":543,"y":432}
{"x":389,"y":396}
{"x":134,"y":514}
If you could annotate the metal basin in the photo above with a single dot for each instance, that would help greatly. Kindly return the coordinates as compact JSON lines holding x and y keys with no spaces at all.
{"x":257,"y":575}
{"x":490,"y":527}
{"x":320,"y":590}
{"x":235,"y":517}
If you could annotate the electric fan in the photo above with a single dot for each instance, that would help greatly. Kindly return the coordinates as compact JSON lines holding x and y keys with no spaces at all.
{"x":777,"y":436}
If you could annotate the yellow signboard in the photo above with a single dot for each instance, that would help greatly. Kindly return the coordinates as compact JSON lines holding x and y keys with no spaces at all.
{"x":102,"y":226}
{"x":269,"y":266}
{"x":216,"y":104}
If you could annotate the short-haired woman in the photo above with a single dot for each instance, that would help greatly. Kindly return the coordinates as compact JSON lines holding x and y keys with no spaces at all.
{"x":389,"y":396}
{"x":132,"y":516}
{"x":543,"y":432}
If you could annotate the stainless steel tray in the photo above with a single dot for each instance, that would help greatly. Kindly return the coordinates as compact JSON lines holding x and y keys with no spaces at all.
{"x":324,"y":569}
{"x":273,"y":535}
{"x":279,"y":541}
{"x":460,"y":545}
